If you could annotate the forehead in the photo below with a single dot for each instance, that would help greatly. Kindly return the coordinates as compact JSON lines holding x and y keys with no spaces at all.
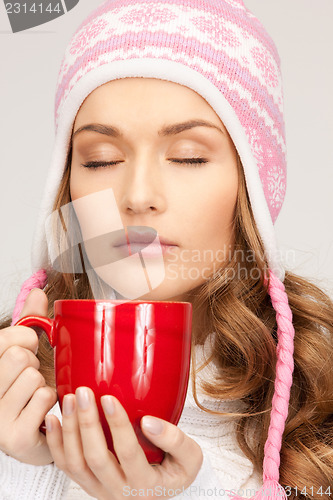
{"x":135,"y":98}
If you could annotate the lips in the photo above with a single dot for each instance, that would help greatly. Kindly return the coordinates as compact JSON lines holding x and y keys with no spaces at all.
{"x":141,"y":235}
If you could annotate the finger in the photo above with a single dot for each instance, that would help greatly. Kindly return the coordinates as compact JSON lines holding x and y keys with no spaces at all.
{"x":129,"y":452}
{"x":35,"y":304}
{"x":34,"y":412}
{"x":101,"y":461}
{"x":21,"y":391}
{"x":56,"y":443}
{"x":184,"y":455}
{"x":13,"y":362}
{"x":75,"y":460}
{"x":22,"y":336}
{"x":71,"y":437}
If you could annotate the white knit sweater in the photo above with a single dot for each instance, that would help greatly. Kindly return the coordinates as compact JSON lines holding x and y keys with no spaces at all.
{"x":224,"y":466}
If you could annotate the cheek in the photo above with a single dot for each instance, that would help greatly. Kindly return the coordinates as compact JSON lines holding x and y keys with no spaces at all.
{"x":223,"y":205}
{"x":215,"y":205}
{"x":83,"y":183}
{"x":77,"y":185}
{"x":95,"y":208}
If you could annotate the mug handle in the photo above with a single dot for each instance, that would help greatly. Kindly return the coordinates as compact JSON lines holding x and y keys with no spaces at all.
{"x":47,"y":325}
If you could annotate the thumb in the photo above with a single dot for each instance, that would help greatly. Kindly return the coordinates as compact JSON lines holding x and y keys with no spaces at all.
{"x":36,"y":304}
{"x":181,"y":449}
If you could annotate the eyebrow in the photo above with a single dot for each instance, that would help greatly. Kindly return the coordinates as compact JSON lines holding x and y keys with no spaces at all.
{"x":174,"y":129}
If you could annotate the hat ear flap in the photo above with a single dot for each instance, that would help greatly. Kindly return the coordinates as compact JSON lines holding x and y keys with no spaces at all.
{"x":37,"y":280}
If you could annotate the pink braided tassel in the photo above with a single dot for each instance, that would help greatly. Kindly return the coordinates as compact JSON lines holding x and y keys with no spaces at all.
{"x":37,"y":280}
{"x":271,"y":488}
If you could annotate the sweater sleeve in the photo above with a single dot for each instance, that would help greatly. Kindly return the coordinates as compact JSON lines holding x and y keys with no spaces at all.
{"x":30,"y":482}
{"x":213,"y":481}
{"x":206,"y":484}
{"x":21,"y":481}
{"x":209,"y":484}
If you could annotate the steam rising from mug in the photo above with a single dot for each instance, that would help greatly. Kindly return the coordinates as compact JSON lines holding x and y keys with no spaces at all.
{"x":87,"y":235}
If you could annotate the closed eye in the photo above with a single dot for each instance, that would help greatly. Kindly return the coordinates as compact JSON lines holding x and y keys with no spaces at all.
{"x":195,"y":162}
{"x":189,"y":161}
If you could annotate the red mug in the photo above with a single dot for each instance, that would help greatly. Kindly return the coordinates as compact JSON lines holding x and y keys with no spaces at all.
{"x":137,"y":351}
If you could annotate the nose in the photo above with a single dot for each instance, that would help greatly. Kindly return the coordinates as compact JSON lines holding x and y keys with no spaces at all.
{"x":142,"y":189}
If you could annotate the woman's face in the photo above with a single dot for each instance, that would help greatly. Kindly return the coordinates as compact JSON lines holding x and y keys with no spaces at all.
{"x":152,"y":179}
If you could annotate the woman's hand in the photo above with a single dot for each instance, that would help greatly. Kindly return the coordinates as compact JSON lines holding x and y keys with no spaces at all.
{"x":24,"y":396}
{"x":79,"y":449}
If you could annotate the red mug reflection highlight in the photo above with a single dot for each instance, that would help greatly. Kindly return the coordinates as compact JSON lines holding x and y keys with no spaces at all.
{"x":137,"y":351}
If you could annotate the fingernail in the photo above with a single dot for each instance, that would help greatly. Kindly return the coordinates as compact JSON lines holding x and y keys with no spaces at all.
{"x":48,"y":423}
{"x":83,"y":399}
{"x":108,"y":405}
{"x":68,"y":405}
{"x":152,"y":425}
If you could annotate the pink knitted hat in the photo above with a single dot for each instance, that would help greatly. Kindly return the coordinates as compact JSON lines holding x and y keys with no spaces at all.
{"x":221,"y":51}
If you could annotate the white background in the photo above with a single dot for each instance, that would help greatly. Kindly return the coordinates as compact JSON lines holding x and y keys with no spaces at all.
{"x":30,"y":61}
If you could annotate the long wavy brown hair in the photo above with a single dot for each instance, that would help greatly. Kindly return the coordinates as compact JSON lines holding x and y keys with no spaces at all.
{"x":240,"y":312}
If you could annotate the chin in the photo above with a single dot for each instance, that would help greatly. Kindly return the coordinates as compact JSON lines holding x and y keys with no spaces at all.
{"x":167,"y":292}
